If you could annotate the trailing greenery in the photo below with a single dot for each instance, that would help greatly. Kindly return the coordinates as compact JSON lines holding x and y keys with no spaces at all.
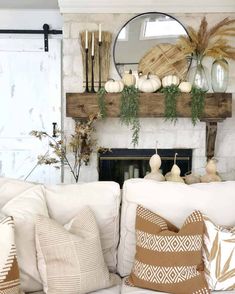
{"x":171,"y":93}
{"x":198,"y":103}
{"x":129,"y":109}
{"x":101,"y":102}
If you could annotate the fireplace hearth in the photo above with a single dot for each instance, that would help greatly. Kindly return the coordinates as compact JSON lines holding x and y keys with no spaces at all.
{"x":121,"y":164}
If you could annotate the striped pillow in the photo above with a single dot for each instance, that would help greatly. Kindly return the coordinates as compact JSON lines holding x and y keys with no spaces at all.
{"x":168,"y":259}
{"x":9,"y":272}
{"x":70,"y":260}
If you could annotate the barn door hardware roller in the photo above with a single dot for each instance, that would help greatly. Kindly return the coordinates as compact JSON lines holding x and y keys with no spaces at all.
{"x":45,"y":31}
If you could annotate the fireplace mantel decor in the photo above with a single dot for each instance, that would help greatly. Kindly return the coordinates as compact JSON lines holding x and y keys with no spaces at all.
{"x":218,"y":106}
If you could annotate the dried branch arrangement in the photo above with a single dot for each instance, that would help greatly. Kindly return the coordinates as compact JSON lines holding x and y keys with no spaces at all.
{"x":211,"y":42}
{"x":81,"y":145}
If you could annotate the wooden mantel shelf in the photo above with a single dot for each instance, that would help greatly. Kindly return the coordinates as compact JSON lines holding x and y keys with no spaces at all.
{"x":218,"y":106}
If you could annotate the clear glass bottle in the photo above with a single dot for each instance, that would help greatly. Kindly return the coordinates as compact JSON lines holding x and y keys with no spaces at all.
{"x":198,"y":74}
{"x":219,"y":75}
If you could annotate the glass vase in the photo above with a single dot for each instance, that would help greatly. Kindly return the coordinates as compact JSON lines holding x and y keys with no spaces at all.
{"x":198,"y":75}
{"x":219,"y":75}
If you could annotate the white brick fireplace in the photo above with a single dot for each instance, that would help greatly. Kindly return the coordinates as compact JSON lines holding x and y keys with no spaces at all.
{"x":110,"y":133}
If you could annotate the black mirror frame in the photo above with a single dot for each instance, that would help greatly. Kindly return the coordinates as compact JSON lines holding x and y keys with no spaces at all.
{"x":145,"y":13}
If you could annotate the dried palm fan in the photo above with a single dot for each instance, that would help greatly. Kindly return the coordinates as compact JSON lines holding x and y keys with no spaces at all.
{"x":209,"y":42}
{"x":164,"y":59}
{"x":105,"y":55}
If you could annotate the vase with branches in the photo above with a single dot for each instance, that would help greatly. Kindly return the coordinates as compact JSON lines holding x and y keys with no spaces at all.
{"x":81,"y":144}
{"x":207,"y":42}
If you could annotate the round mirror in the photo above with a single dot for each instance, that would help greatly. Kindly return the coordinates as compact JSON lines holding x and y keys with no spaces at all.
{"x":146,"y":43}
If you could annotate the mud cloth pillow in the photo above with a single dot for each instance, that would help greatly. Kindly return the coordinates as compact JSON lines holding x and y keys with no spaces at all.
{"x":168,"y":259}
{"x":70,"y":259}
{"x":9,"y":272}
{"x":219,"y":256}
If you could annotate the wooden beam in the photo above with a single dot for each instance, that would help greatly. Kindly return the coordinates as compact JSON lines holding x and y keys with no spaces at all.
{"x":217,"y":105}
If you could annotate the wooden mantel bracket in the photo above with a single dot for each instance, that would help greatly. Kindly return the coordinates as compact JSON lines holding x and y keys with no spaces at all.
{"x":211,"y":133}
{"x":218,"y":106}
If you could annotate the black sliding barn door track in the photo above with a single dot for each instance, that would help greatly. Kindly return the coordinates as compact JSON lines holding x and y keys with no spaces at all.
{"x":45,"y":31}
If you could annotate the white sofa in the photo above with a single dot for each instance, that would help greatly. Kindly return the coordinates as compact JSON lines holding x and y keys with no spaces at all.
{"x":174,"y":201}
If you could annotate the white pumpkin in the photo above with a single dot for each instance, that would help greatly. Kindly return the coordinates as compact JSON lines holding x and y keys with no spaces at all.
{"x":129,"y":79}
{"x":185,"y":87}
{"x":170,"y":80}
{"x":149,"y":83}
{"x":113,"y":86}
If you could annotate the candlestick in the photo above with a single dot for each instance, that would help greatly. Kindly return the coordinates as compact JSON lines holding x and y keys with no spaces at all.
{"x":100,"y":33}
{"x":93,"y":45}
{"x":92,"y":74}
{"x":100,"y":77}
{"x":86,"y":40}
{"x":86,"y":57}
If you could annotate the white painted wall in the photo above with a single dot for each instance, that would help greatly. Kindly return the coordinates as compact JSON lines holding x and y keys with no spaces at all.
{"x":31,"y":19}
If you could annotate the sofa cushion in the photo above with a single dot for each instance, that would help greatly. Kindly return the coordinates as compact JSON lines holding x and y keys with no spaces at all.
{"x":173,"y":201}
{"x":24,"y":209}
{"x":9,"y":271}
{"x":10,"y":188}
{"x":64,"y":201}
{"x":168,"y":259}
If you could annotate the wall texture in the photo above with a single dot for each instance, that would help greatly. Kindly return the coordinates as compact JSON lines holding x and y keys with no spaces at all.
{"x":181,"y":135}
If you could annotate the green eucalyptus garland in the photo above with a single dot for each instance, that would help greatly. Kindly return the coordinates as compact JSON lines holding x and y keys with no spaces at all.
{"x":129,"y":111}
{"x":171,"y":93}
{"x":129,"y":106}
{"x":101,"y":102}
{"x":198,"y":103}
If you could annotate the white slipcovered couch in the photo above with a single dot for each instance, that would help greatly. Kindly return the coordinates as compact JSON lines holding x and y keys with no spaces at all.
{"x":174,"y":201}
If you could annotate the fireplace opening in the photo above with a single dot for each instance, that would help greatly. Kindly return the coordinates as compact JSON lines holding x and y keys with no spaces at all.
{"x":121,"y":164}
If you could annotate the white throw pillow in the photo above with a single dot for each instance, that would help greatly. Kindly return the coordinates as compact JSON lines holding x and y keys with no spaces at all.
{"x":219,"y":256}
{"x":71,"y":261}
{"x":24,"y":209}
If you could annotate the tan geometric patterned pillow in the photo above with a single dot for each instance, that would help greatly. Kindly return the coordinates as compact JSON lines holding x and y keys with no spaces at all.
{"x":168,"y":259}
{"x":70,"y":260}
{"x":219,"y":256}
{"x":9,"y":272}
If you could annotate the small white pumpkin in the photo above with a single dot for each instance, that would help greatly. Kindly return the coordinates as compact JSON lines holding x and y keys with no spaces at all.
{"x":185,"y":87}
{"x":149,"y":83}
{"x":113,"y":86}
{"x":129,"y":79}
{"x":170,"y":80}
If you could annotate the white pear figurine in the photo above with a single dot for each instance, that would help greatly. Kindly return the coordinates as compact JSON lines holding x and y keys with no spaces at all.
{"x":211,"y":172}
{"x":155,"y":164}
{"x":174,"y":175}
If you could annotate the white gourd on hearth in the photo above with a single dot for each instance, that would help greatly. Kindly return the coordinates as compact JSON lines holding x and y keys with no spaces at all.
{"x":185,"y":87}
{"x":211,"y":172}
{"x":113,"y":86}
{"x":192,"y":179}
{"x":174,"y":175}
{"x":170,"y":80}
{"x":149,"y":83}
{"x":155,"y":164}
